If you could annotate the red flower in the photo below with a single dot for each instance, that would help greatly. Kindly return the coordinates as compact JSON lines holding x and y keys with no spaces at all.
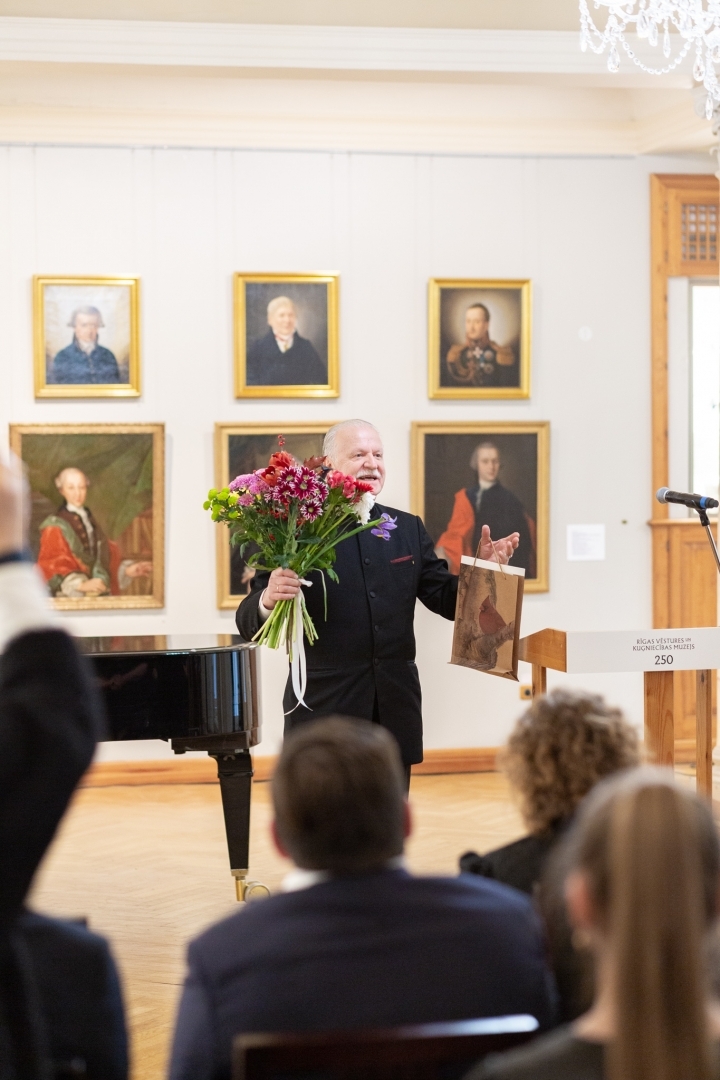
{"x":269,"y":475}
{"x":335,"y":479}
{"x":362,"y":486}
{"x":281,"y":460}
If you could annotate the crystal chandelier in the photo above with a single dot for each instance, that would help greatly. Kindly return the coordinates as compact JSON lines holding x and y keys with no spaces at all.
{"x":682,"y":25}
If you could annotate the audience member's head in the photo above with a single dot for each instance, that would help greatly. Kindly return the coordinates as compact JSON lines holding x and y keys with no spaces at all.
{"x":338,"y":795}
{"x":644,"y":872}
{"x":560,"y":748}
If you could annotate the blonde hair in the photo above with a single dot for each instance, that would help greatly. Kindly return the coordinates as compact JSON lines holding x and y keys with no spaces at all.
{"x":560,"y":748}
{"x":649,"y":853}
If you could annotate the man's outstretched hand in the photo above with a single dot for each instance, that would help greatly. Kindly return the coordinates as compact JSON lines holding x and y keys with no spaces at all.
{"x":494,"y":550}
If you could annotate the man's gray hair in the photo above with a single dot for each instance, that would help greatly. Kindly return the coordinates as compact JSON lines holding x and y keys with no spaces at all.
{"x":86,"y":309}
{"x":330,"y":440}
{"x":482,"y":446}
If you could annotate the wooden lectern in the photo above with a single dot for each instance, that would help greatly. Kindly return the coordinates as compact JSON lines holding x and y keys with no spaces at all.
{"x":658,"y":654}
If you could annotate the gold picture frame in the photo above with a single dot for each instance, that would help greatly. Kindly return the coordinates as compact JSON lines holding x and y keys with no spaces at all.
{"x":126,"y":536}
{"x":258,"y":360}
{"x":461,"y":367}
{"x":231,"y":460}
{"x":442,"y":479}
{"x":57,"y":299}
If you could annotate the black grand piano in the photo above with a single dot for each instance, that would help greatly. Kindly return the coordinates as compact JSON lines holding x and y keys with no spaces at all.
{"x":197,"y":692}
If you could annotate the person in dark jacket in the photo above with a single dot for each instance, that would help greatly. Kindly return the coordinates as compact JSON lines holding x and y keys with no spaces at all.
{"x":642,"y":888}
{"x":60,"y":998}
{"x":487,"y":504}
{"x":85,"y":360}
{"x":282,"y":357}
{"x":559,"y":749}
{"x":354,"y":941}
{"x":363,"y":663}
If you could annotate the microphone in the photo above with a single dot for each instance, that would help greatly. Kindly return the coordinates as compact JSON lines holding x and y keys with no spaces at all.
{"x":685,"y":498}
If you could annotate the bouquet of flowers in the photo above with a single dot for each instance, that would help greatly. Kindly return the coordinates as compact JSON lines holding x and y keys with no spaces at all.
{"x":296,"y":514}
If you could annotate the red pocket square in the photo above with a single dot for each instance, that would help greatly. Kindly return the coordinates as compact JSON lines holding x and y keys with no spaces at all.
{"x":403,"y":558}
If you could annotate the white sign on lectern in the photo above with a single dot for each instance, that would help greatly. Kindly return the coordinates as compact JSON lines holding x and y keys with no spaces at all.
{"x":694,"y":649}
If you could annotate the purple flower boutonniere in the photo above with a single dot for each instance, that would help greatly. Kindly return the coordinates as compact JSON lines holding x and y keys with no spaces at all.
{"x":384,"y":527}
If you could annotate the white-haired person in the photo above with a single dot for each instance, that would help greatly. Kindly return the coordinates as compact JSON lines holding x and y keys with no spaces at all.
{"x":363,"y":663}
{"x":282,"y":357}
{"x":85,"y":360}
{"x":642,"y":887}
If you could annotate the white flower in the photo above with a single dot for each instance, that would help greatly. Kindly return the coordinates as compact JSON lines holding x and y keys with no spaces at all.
{"x":363,"y":508}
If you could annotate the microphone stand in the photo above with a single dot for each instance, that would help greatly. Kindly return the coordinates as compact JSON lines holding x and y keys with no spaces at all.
{"x":706,"y":525}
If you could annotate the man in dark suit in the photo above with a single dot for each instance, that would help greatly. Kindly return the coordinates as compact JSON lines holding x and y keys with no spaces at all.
{"x":354,"y":941}
{"x":282,"y":357}
{"x":363,"y":663}
{"x":59,"y":990}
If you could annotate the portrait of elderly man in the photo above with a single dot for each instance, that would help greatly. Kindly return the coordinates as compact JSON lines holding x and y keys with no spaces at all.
{"x":479,"y":361}
{"x":282,"y":357}
{"x":487,"y":503}
{"x":76,"y":557}
{"x":85,"y":360}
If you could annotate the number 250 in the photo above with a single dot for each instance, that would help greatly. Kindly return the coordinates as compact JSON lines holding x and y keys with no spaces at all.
{"x":662,"y":659}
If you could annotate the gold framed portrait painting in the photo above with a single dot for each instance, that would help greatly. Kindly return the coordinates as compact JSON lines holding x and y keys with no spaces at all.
{"x":243,"y":448}
{"x":86,"y":336}
{"x":97,"y":512}
{"x":466,"y":475}
{"x":286,"y":336}
{"x":479,"y":338}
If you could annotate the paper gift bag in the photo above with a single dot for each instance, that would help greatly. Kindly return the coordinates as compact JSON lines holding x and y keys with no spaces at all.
{"x":487,"y":620}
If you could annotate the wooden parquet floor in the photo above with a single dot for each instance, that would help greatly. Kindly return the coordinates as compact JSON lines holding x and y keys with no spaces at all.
{"x":148,"y":867}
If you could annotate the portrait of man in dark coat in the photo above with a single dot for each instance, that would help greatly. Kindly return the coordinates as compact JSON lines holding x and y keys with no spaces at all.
{"x":85,"y":360}
{"x":282,"y":357}
{"x":489,"y":503}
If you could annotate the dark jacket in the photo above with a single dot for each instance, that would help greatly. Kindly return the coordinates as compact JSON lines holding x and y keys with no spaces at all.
{"x":363,"y":663}
{"x":50,"y":974}
{"x":379,"y":950}
{"x":520,"y":864}
{"x":70,"y":977}
{"x":300,"y":365}
{"x":72,"y":365}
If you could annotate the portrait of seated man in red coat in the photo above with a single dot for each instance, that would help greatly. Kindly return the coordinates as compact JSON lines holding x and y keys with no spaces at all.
{"x":76,"y":558}
{"x":487,"y":503}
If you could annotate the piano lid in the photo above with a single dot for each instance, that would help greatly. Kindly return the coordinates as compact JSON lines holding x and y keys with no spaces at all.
{"x":168,"y":644}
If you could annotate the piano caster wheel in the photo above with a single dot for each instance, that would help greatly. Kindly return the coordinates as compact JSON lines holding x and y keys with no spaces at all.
{"x":249,"y":890}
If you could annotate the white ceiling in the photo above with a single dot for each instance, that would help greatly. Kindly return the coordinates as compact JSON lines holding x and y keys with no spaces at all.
{"x":434,"y":76}
{"x":455,"y":14}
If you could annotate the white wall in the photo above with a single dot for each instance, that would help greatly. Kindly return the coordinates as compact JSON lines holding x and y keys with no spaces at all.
{"x":186,"y":219}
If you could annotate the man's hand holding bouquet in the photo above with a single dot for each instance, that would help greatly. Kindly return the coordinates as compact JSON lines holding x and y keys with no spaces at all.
{"x":296,"y":514}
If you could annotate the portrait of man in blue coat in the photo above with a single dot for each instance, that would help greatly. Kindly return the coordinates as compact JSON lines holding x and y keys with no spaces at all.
{"x":85,"y":360}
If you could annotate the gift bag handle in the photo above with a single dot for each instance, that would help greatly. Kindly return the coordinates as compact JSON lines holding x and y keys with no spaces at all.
{"x":477,"y":555}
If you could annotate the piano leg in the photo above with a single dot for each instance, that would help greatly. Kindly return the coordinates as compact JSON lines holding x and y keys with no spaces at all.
{"x":235,"y":776}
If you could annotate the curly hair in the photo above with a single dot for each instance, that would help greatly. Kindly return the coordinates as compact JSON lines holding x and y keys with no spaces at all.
{"x":560,"y":748}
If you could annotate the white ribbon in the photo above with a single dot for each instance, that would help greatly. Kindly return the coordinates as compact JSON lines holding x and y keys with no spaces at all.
{"x":298,"y":661}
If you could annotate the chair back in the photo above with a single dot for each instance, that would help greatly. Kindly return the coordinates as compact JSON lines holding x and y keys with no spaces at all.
{"x":424,"y":1052}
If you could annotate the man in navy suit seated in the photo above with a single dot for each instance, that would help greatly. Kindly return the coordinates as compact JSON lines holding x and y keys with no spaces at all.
{"x":354,"y":940}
